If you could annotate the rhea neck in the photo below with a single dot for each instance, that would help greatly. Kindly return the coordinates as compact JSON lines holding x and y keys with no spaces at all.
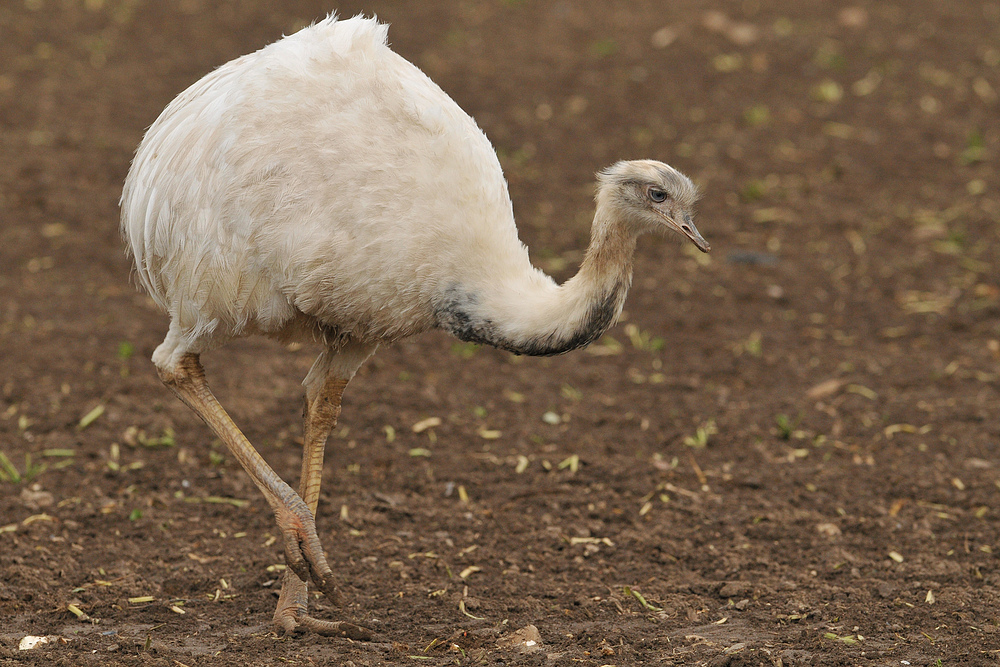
{"x":527,"y":313}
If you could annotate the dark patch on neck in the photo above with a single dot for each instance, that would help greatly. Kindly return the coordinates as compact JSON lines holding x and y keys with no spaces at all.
{"x":600,"y":317}
{"x":453,"y":316}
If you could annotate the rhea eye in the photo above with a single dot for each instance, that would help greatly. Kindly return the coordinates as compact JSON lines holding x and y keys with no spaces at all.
{"x":657,"y":195}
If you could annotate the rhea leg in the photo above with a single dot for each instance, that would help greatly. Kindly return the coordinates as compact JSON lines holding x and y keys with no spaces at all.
{"x":304,"y":555}
{"x":325,"y":385}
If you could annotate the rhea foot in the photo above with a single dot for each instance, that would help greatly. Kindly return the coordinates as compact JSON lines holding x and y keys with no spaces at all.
{"x":306,"y":561}
{"x":292,"y":618}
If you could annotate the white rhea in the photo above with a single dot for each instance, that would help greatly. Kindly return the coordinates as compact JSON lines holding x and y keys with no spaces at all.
{"x":324,"y":188}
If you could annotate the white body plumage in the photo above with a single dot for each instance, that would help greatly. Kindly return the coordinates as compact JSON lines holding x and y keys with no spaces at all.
{"x":323,"y":176}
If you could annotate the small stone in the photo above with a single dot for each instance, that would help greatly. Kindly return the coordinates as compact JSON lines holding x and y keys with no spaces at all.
{"x":828,"y":529}
{"x":35,"y":499}
{"x":30,"y":642}
{"x":526,"y":640}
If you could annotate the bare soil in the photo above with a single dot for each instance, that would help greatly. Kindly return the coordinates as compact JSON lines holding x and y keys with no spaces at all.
{"x":786,"y":454}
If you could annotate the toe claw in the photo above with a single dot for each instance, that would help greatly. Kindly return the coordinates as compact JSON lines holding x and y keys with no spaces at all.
{"x":335,"y":628}
{"x":358,"y":632}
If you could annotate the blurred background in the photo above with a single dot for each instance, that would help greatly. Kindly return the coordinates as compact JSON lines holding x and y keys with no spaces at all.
{"x":808,"y":414}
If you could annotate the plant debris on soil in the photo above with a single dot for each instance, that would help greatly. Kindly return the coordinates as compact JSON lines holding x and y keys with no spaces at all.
{"x":785,"y":454}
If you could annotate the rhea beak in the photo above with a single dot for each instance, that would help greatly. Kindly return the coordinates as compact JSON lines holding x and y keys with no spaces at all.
{"x":687,"y":228}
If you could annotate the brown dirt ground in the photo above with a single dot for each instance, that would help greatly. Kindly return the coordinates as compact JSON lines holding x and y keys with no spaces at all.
{"x":788,"y":449}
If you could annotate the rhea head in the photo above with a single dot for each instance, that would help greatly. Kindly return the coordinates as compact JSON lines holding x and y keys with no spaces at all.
{"x":652,"y":196}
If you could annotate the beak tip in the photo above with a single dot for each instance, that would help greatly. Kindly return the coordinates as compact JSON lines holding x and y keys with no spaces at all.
{"x":701,"y":244}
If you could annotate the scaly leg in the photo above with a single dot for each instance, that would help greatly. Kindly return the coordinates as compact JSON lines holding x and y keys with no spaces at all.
{"x":325,"y":385}
{"x":303,"y":551}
